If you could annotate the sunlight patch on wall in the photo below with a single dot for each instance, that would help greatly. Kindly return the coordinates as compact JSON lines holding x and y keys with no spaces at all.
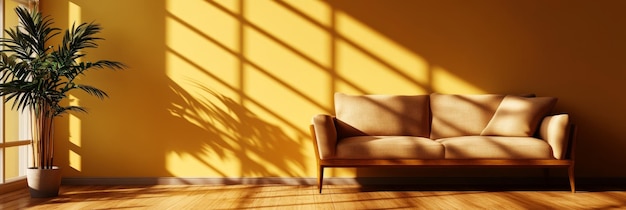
{"x":446,"y":82}
{"x":315,"y":10}
{"x":75,"y":130}
{"x":292,"y":74}
{"x":284,"y":26}
{"x":201,"y":60}
{"x":229,"y":5}
{"x":373,"y":63}
{"x":74,"y":122}
{"x":75,"y":161}
{"x":196,"y":59}
{"x":75,"y":136}
{"x":283,"y":125}
{"x":192,"y":84}
{"x":209,"y":22}
{"x":205,"y":165}
{"x":74,"y":14}
{"x":269,"y":165}
{"x":276,"y":100}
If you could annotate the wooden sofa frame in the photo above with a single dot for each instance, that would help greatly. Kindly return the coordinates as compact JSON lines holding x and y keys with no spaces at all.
{"x":568,"y":162}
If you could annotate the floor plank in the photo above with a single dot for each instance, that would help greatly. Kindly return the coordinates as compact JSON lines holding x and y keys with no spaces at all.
{"x":307,"y":197}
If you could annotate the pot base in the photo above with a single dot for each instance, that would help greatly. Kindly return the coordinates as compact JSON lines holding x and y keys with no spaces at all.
{"x":43,"y":183}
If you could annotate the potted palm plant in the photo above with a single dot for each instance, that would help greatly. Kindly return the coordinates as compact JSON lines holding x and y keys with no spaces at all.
{"x":37,"y":78}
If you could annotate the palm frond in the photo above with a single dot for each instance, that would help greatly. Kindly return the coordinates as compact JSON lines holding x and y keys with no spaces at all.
{"x":38,"y":28}
{"x":93,"y":91}
{"x":22,"y":93}
{"x":60,"y":110}
{"x":78,"y":38}
{"x":113,"y":65}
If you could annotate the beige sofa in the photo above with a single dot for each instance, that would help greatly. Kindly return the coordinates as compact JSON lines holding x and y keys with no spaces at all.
{"x":488,"y":130}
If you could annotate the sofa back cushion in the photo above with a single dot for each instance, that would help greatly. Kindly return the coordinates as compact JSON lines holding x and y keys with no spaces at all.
{"x":461,"y":115}
{"x":518,"y":116}
{"x":382,"y":115}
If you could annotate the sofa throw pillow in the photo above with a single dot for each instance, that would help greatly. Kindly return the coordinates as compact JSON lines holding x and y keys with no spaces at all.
{"x":382,"y":115}
{"x":518,"y":116}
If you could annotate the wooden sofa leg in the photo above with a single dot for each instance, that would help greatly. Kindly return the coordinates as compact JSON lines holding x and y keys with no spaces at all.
{"x":572,"y":183}
{"x":320,"y":178}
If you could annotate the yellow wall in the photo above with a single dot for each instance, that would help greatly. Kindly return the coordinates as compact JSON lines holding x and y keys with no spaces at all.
{"x":226,"y":88}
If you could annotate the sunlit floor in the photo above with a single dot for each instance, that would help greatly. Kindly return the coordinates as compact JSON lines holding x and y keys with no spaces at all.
{"x":307,"y":197}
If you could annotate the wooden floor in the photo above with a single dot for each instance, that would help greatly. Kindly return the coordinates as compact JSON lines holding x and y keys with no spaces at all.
{"x":307,"y":197}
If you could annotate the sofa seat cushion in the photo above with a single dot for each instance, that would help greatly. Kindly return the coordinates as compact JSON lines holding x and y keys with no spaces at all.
{"x":389,"y":147}
{"x":495,"y":147}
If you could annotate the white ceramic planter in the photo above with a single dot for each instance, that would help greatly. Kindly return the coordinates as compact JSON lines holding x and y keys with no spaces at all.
{"x":43,"y":183}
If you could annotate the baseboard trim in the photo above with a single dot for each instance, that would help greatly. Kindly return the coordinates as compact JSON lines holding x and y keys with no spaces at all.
{"x":613,"y":181}
{"x":185,"y":181}
{"x":216,"y":181}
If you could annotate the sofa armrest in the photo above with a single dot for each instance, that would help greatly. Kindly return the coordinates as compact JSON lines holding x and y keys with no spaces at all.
{"x":555,"y":130}
{"x":325,"y":135}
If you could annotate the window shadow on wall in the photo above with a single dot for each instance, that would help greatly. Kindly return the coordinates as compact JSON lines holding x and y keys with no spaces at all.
{"x":174,"y":112}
